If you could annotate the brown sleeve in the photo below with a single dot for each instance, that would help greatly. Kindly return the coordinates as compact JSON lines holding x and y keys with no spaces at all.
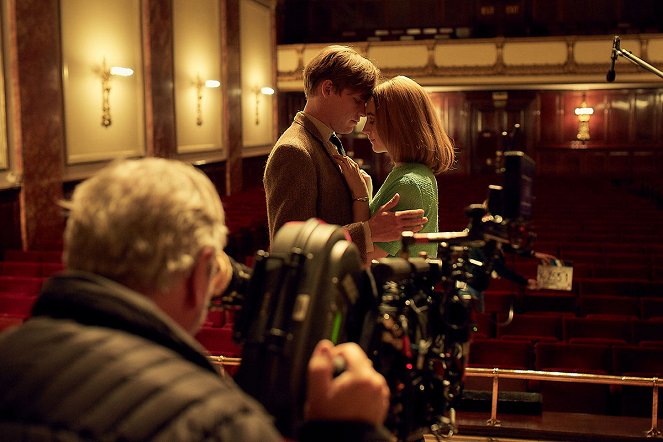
{"x":290,"y":187}
{"x":358,"y":236}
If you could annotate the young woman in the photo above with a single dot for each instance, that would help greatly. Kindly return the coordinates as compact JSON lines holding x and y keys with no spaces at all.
{"x":402,"y":121}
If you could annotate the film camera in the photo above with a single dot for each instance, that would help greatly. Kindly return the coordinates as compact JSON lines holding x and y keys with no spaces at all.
{"x":412,"y":315}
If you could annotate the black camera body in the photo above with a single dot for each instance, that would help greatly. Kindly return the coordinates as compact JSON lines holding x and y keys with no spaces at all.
{"x":412,"y":315}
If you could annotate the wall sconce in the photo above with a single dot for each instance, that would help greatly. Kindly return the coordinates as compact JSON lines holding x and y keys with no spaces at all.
{"x":211,"y":84}
{"x":584,"y":113}
{"x":106,"y":73}
{"x":265,"y":90}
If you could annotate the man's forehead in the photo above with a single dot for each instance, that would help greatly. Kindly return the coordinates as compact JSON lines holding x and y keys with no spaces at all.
{"x":357,"y":93}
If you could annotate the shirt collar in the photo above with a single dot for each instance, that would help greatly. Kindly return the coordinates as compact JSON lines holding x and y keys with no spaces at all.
{"x":325,"y":131}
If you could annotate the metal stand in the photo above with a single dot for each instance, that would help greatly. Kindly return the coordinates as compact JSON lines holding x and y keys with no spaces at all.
{"x":618,"y":51}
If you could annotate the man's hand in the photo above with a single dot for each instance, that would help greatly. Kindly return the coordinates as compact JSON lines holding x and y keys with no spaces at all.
{"x":387,"y":226}
{"x":359,"y":393}
{"x":545,"y":257}
{"x":533,"y":284}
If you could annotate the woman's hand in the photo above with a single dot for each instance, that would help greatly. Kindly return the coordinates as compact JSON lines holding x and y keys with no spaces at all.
{"x":356,"y":178}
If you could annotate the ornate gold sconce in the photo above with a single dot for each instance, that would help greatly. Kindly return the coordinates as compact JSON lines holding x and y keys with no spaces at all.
{"x":211,"y":84}
{"x":584,"y":113}
{"x":106,"y":73}
{"x":265,"y":90}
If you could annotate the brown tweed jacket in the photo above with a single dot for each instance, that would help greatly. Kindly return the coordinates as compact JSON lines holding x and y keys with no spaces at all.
{"x":303,"y":181}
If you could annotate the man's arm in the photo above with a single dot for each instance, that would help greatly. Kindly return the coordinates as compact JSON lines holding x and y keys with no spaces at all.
{"x":290,"y":187}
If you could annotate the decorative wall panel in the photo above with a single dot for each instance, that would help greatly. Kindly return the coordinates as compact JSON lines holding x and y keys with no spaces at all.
{"x":256,"y":67}
{"x":104,"y":105}
{"x":197,"y":75}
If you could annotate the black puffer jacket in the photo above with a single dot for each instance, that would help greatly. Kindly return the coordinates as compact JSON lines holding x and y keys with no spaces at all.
{"x":100,"y":362}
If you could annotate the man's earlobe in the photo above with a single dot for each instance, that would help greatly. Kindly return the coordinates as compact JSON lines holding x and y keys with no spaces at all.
{"x":199,"y":279}
{"x":224,"y":274}
{"x":327,"y":88}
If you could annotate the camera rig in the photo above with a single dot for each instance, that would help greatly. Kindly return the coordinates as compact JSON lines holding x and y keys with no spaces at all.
{"x":412,"y":315}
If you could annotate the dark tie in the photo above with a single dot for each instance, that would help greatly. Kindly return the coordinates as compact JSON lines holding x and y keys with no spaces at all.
{"x":337,"y":142}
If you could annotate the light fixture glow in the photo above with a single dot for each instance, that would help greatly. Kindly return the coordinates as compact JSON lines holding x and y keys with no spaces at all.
{"x":264,"y":90}
{"x":584,"y":113}
{"x":121,"y":71}
{"x":106,"y":73}
{"x":584,"y":110}
{"x":199,"y":84}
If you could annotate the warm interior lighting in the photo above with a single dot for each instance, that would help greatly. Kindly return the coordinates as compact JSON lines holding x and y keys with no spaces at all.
{"x":265,"y":90}
{"x":584,"y":110}
{"x":584,"y":113}
{"x":121,"y":71}
{"x":106,"y":73}
{"x":199,"y":83}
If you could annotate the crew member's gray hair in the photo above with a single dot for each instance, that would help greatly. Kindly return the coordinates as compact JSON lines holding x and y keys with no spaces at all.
{"x":143,"y":222}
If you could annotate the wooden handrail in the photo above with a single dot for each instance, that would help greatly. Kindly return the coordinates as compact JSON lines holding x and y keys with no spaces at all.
{"x":535,"y":375}
{"x":225,"y":360}
{"x":558,"y":376}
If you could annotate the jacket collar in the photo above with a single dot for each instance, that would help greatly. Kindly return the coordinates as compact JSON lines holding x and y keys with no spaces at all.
{"x":311,"y":127}
{"x":93,"y":300}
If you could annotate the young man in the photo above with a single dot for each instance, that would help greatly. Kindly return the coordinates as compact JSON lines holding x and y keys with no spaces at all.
{"x":109,"y":352}
{"x":302,"y":180}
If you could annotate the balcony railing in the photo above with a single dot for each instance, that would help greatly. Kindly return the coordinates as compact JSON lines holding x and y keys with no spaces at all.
{"x":496,"y":374}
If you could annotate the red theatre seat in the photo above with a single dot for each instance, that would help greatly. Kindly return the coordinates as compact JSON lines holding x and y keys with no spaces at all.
{"x":651,"y":307}
{"x":574,"y":358}
{"x":16,"y":304}
{"x":532,"y":327}
{"x":14,"y":268}
{"x":218,"y":341}
{"x":648,"y":332}
{"x":499,"y":301}
{"x":608,"y":305}
{"x":496,"y":353}
{"x":620,"y":287}
{"x":597,"y":330}
{"x":558,"y":302}
{"x":7,"y":321}
{"x":637,"y":361}
{"x":570,"y":357}
{"x":25,"y":285}
{"x":33,"y":255}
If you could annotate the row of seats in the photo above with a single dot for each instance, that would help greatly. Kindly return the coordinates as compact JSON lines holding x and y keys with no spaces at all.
{"x":32,"y":256}
{"x":246,"y":218}
{"x":576,"y":397}
{"x":503,"y":301}
{"x":606,"y":324}
{"x":549,"y":327}
{"x":22,"y":272}
{"x":621,"y":360}
{"x":36,"y":269}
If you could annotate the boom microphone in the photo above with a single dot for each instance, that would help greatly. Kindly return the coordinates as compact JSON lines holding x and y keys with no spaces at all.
{"x":610,"y":77}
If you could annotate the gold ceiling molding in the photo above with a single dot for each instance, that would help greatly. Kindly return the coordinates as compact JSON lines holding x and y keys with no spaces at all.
{"x":541,"y":60}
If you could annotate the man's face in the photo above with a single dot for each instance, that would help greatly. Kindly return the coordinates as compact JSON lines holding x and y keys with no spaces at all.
{"x":218,"y":280}
{"x":345,"y":110}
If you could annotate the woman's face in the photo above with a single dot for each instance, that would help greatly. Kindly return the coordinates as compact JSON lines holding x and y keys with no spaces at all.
{"x":371,"y":130}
